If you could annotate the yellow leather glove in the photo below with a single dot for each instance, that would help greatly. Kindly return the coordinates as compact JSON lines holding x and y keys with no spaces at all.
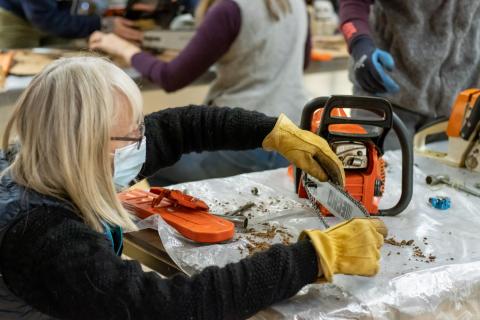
{"x":351,"y":247}
{"x":306,"y":150}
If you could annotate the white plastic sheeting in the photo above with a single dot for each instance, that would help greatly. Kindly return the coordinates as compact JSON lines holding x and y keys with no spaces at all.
{"x":448,"y":287}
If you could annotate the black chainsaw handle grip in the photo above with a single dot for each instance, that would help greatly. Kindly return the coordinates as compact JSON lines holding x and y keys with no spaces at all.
{"x":407,"y":168}
{"x":375,"y":105}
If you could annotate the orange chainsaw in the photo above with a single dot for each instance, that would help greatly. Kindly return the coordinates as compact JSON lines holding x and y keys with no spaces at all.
{"x":358,"y":142}
{"x":462,"y":129}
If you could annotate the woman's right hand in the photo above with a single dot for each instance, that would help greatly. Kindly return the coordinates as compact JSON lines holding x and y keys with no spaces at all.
{"x":113,"y":45}
{"x":351,"y":247}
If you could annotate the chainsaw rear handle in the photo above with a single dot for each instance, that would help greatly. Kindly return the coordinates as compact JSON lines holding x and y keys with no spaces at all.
{"x":399,"y":128}
{"x":407,"y":168}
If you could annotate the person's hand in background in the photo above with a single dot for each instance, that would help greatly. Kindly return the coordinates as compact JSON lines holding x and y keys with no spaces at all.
{"x":122,"y":27}
{"x":371,"y":66}
{"x":113,"y":45}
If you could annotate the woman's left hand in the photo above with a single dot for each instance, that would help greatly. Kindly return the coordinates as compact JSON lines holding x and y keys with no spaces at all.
{"x":113,"y":45}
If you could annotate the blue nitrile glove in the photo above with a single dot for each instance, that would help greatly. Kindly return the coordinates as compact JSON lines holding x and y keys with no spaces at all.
{"x":370,"y":66}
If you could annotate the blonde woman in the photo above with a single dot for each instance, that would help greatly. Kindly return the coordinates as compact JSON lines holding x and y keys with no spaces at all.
{"x":259,"y":49}
{"x":79,"y":130}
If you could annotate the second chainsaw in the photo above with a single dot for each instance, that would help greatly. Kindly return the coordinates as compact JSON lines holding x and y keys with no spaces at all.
{"x":462,"y":129}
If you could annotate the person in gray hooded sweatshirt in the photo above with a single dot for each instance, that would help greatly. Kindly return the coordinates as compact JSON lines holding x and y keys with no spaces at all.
{"x":417,"y":54}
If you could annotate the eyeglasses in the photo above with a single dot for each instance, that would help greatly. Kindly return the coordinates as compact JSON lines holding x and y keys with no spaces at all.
{"x":138,"y":140}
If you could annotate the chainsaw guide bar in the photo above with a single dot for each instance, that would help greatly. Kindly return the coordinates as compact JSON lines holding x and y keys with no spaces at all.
{"x":334,"y":198}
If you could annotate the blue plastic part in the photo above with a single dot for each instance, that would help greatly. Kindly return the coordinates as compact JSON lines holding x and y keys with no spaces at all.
{"x":440,"y":203}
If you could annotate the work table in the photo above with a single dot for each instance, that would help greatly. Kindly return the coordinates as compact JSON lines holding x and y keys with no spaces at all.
{"x":434,"y":271}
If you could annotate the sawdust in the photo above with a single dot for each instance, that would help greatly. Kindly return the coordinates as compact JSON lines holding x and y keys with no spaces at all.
{"x":257,"y":246}
{"x":259,"y":206}
{"x":260,"y":240}
{"x":417,"y":253}
{"x":396,"y":243}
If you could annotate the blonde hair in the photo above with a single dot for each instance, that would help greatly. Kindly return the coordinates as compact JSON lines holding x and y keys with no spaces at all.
{"x":275,"y":8}
{"x":62,"y":122}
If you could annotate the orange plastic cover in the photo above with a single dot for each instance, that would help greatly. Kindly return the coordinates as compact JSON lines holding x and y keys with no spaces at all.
{"x":195,"y":224}
{"x":464,"y":99}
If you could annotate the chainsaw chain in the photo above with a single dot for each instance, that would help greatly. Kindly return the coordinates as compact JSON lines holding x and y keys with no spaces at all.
{"x":307,"y":183}
{"x":313,"y":203}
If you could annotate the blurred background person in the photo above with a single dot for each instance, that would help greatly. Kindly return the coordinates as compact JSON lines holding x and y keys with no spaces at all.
{"x":259,"y":49}
{"x":34,"y":23}
{"x":418,"y":54}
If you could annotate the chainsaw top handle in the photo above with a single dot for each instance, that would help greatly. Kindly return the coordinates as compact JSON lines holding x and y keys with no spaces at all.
{"x":379,"y":106}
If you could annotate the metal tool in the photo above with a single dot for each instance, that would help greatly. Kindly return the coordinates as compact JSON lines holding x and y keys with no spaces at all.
{"x":240,"y":221}
{"x":155,"y":18}
{"x":443,"y":179}
{"x":462,"y":129}
{"x":164,"y":39}
{"x":358,"y":142}
{"x":241,"y":209}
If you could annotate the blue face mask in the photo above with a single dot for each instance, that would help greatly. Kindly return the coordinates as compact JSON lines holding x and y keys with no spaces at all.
{"x":128,"y":162}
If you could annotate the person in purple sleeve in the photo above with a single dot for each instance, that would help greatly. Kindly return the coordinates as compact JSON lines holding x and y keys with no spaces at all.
{"x":259,"y":49}
{"x":32,"y":23}
{"x":418,"y":54}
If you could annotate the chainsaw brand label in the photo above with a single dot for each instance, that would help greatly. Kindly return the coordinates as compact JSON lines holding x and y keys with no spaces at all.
{"x":339,"y":205}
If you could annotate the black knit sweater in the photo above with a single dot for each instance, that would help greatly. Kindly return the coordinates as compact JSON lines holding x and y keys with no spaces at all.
{"x":173,"y":132}
{"x":63,"y":268}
